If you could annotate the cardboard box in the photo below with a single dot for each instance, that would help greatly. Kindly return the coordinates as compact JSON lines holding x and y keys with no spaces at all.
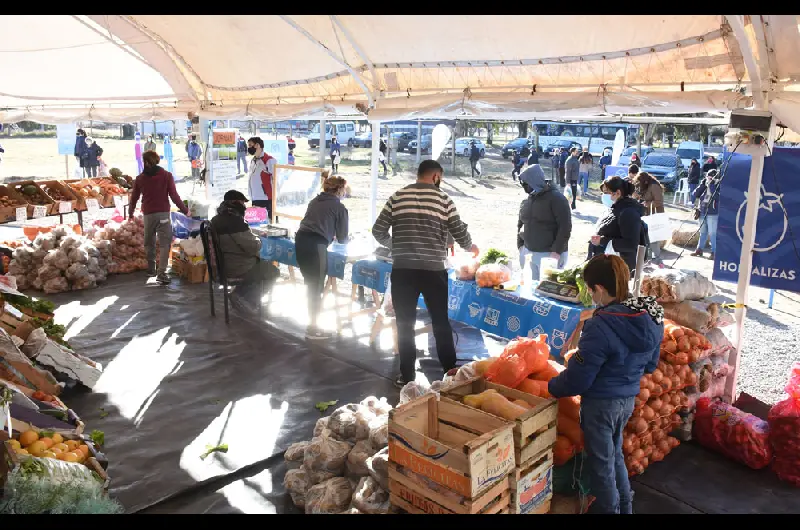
{"x":9,"y":213}
{"x":49,"y":186}
{"x":532,"y":485}
{"x":188,"y":269}
{"x":45,"y":199}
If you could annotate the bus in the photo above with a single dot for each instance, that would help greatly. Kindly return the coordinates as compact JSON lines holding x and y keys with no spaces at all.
{"x":595,"y":136}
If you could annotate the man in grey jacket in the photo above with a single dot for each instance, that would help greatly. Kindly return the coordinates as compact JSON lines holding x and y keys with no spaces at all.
{"x":241,"y":249}
{"x":546,"y":219}
{"x":572,"y":171}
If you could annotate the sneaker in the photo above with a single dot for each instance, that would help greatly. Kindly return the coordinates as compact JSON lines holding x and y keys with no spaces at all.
{"x":318,"y":334}
{"x":151,"y":273}
{"x":163,"y":279}
{"x":711,"y":256}
{"x":400,"y":382}
{"x":698,"y":252}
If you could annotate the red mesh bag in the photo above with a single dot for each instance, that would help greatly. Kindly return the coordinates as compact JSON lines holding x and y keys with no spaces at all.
{"x":732,"y":432}
{"x":784,"y":431}
{"x":520,"y":358}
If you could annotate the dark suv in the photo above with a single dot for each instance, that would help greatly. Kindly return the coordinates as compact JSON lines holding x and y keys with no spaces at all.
{"x":402,"y":139}
{"x":516,"y":145}
{"x":562,"y":144}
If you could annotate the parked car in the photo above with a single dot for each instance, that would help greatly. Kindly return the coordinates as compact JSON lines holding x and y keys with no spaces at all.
{"x":401,"y":139}
{"x":667,"y":168}
{"x":516,"y":145}
{"x":625,"y":157}
{"x":344,"y":131}
{"x":463,"y":147}
{"x":562,"y":144}
{"x":363,"y":140}
{"x":424,"y":148}
{"x":689,"y":150}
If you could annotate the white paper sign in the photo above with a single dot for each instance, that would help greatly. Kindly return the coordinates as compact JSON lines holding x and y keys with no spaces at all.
{"x":92,"y":205}
{"x":118,"y":203}
{"x":659,"y":227}
{"x":7,"y":419}
{"x":65,"y":207}
{"x":39,"y":212}
{"x":22,"y":213}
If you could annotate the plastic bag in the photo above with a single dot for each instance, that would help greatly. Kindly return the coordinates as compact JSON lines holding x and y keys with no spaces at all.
{"x":56,"y":285}
{"x":295,"y":481}
{"x":784,"y":423}
{"x":378,"y":467}
{"x":732,"y":432}
{"x":320,"y":426}
{"x":379,"y":407}
{"x":521,"y":357}
{"x":323,"y":456}
{"x":369,"y":497}
{"x":689,"y":314}
{"x":351,"y":422}
{"x":331,"y":496}
{"x":672,"y":285}
{"x":379,"y":432}
{"x":720,"y":345}
{"x":492,"y":275}
{"x":357,"y":459}
{"x":411,"y":391}
{"x":296,"y":452}
{"x":465,"y":266}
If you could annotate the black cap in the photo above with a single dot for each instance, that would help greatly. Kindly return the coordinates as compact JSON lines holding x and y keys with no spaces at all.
{"x":233,"y":195}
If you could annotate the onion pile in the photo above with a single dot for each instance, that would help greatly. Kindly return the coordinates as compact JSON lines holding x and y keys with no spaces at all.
{"x":682,"y":345}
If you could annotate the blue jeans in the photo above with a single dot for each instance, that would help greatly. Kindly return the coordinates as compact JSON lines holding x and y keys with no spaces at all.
{"x":709,"y":231}
{"x":583,"y":177}
{"x":241,"y":161}
{"x":692,"y":187}
{"x":603,"y":421}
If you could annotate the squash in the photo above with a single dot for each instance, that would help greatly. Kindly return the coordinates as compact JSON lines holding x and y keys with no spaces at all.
{"x":550,"y":371}
{"x":535,"y":388}
{"x":563,"y":450}
{"x":483,"y":365}
{"x":571,"y":407}
{"x":476,"y":400}
{"x":571,"y":429}
{"x":498,"y":405}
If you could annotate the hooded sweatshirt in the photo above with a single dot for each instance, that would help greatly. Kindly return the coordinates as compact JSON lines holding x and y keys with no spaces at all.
{"x":545,"y":214}
{"x":326,"y":216}
{"x":240,"y":247}
{"x":618,"y":345}
{"x":156,"y":191}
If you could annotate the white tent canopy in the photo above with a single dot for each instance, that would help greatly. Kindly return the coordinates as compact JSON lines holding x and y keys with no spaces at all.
{"x":62,"y":68}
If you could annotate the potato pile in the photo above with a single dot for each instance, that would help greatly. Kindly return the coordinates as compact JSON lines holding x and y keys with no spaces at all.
{"x":8,"y":202}
{"x":32,"y":194}
{"x":56,"y":193}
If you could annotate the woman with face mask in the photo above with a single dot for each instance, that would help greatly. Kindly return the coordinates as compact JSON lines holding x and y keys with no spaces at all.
{"x":326,"y":218}
{"x":620,"y":343}
{"x":695,"y":173}
{"x":156,"y":187}
{"x":622,"y":226}
{"x":91,"y":157}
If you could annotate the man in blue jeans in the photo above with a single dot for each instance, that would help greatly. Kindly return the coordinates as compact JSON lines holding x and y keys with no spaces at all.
{"x":618,"y":345}
{"x":708,"y":195}
{"x":241,"y":155}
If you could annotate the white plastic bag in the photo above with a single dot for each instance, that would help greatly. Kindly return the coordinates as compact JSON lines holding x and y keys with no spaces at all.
{"x":351,"y":422}
{"x":331,"y":496}
{"x":325,"y":457}
{"x":369,"y":497}
{"x":77,"y":173}
{"x":357,"y":459}
{"x":378,"y":467}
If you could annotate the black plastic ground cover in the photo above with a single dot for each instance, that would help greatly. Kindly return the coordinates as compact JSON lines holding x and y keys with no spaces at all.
{"x":176,"y":377}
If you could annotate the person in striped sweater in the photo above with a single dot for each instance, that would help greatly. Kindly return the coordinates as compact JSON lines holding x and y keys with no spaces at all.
{"x":420,"y":217}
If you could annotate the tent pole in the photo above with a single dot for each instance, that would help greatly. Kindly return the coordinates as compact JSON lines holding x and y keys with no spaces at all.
{"x":453,"y":162}
{"x":373,"y":188}
{"x":323,"y":139}
{"x":419,"y":140}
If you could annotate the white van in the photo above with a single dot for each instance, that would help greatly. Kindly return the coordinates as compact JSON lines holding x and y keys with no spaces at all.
{"x":344,"y":131}
{"x":688,"y":150}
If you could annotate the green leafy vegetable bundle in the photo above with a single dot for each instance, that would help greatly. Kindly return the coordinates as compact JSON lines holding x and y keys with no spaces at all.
{"x":574,"y":276}
{"x":494,"y":256}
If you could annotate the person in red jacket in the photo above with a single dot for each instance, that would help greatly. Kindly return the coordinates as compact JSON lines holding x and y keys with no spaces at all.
{"x":156,"y":187}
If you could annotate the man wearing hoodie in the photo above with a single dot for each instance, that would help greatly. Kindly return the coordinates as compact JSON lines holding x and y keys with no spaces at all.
{"x":156,"y":186}
{"x":572,"y":171}
{"x":545,"y":218}
{"x":618,"y":345}
{"x":241,"y":249}
{"x":241,"y":155}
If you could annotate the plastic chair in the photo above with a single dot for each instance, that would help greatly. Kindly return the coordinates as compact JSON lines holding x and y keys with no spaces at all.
{"x":216,"y":268}
{"x":683,"y":189}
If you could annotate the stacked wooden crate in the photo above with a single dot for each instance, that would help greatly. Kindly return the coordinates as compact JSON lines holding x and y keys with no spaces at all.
{"x":445,"y":457}
{"x":534,"y":436}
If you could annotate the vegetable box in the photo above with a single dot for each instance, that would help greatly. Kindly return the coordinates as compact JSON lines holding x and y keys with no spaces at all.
{"x":35,"y":196}
{"x":534,"y":431}
{"x":15,"y":322}
{"x":418,"y":494}
{"x":10,"y":200}
{"x":60,"y":193}
{"x":47,"y":417}
{"x":466,"y":450}
{"x":532,"y":485}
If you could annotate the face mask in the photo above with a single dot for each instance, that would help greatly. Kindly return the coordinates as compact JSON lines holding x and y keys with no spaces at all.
{"x":251,"y":150}
{"x":607,"y":201}
{"x":150,"y":170}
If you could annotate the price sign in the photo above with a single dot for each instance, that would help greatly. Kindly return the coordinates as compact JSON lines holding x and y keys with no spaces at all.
{"x":65,"y":207}
{"x":118,"y":203}
{"x":22,"y":213}
{"x":39,"y":212}
{"x":92,"y":206}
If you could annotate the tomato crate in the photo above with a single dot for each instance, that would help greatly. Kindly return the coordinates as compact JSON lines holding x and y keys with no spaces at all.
{"x":415,"y":493}
{"x":465,"y":450}
{"x":534,"y":431}
{"x":532,"y":485}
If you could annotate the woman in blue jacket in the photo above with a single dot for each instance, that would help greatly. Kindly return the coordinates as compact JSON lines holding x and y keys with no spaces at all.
{"x":618,"y":345}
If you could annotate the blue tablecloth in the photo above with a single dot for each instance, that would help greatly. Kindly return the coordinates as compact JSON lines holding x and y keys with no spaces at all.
{"x":511,"y":314}
{"x":281,"y":249}
{"x":372,"y":274}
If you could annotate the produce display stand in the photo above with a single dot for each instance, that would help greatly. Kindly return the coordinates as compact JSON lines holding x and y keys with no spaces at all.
{"x":445,"y":457}
{"x":44,"y":199}
{"x":534,"y":437}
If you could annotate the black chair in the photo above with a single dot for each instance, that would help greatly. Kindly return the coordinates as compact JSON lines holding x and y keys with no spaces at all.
{"x":216,"y":268}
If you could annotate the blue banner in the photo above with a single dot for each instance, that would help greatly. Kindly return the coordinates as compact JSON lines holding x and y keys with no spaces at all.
{"x":372,"y":274}
{"x":282,"y":250}
{"x":775,"y":258}
{"x":619,"y":171}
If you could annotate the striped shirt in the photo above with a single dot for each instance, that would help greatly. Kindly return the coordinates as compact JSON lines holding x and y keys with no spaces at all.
{"x":421,"y":216}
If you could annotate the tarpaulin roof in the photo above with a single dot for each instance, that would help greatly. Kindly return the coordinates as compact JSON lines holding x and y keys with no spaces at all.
{"x":60,"y":68}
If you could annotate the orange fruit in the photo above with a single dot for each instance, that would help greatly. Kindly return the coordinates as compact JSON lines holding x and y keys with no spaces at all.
{"x":15,"y":444}
{"x":84,"y":449}
{"x":48,"y":454}
{"x":22,"y":452}
{"x":70,"y":457}
{"x":62,"y":447}
{"x":72,"y":444}
{"x":47,"y":441}
{"x":55,"y":450}
{"x":57,"y":438}
{"x":28,"y":437}
{"x":37,"y":448}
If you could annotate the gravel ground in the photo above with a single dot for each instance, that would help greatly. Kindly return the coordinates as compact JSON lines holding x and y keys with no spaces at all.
{"x":490,"y":207}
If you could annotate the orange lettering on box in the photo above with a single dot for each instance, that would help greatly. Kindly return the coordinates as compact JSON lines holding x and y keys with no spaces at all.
{"x":456,"y":482}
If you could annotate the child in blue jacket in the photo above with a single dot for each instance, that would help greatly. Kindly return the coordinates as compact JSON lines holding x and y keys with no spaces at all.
{"x":618,"y":345}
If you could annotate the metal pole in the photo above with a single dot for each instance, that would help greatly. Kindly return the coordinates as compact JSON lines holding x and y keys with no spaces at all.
{"x":637,"y":278}
{"x":66,"y":163}
{"x":373,"y":189}
{"x":771,"y":297}
{"x":453,"y":162}
{"x":323,"y":138}
{"x":419,"y":141}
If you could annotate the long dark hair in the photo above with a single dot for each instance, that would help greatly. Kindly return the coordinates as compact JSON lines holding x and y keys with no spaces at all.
{"x":611,"y":272}
{"x":615,"y":183}
{"x":643,"y":180}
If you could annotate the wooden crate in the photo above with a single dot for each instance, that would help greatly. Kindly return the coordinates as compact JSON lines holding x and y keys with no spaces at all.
{"x":534,"y":431}
{"x":415,"y":493}
{"x":81,"y":205}
{"x":15,"y":322}
{"x":65,"y":190}
{"x":9,"y":213}
{"x":463,"y":449}
{"x":532,"y":485}
{"x":48,"y":202}
{"x":108,"y":199}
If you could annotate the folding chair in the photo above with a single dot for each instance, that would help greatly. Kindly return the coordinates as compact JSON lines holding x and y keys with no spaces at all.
{"x":216,"y":269}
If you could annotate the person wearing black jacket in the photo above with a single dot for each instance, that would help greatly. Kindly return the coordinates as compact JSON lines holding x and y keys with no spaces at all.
{"x":90,"y":157}
{"x":562,"y":168}
{"x":710,"y":164}
{"x":534,"y":158}
{"x":623,"y":225}
{"x":708,"y":195}
{"x":474,"y":158}
{"x":695,"y":174}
